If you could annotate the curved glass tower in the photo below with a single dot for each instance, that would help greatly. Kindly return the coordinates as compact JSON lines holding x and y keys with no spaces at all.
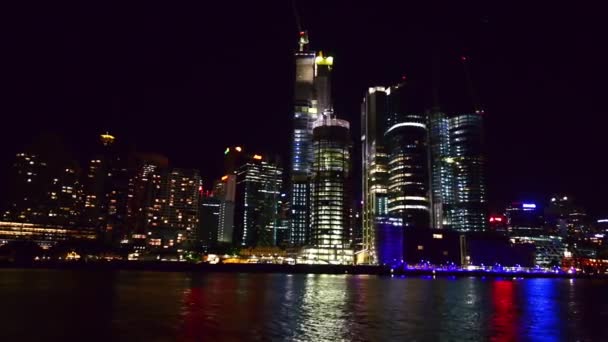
{"x":330,"y":219}
{"x":408,"y":171}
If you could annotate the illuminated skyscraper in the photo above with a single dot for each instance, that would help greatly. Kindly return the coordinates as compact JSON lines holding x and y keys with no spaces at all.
{"x":564,"y":218}
{"x":322,"y":82}
{"x":44,"y":195}
{"x":441,"y":168}
{"x":106,"y":190}
{"x":408,"y":166}
{"x":396,"y":189}
{"x":44,"y":192}
{"x":459,"y":192}
{"x":225,"y":190}
{"x":330,"y":199}
{"x":282,"y":230}
{"x":209,"y":215}
{"x":301,"y":155}
{"x":258,"y":186}
{"x":457,"y":154}
{"x":468,"y":209}
{"x":374,"y":168}
{"x":145,"y":183}
{"x":175,"y":220}
{"x":312,"y":94}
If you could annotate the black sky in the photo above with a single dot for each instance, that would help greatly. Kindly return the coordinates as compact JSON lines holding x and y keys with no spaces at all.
{"x":188,"y":80}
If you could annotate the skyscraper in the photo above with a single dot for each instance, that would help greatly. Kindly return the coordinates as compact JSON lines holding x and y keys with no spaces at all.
{"x":459,"y":192}
{"x":468,"y":211}
{"x":225,"y":191}
{"x":330,"y":199}
{"x":282,"y":230}
{"x":209,"y":215}
{"x":441,"y":170}
{"x":301,"y":155}
{"x":44,"y":185}
{"x":566,"y":219}
{"x":106,"y":190}
{"x":44,"y":192}
{"x":408,"y":164}
{"x":176,"y":215}
{"x":258,"y":186}
{"x":145,"y":181}
{"x":374,"y":168}
{"x":312,"y":94}
{"x":395,"y":169}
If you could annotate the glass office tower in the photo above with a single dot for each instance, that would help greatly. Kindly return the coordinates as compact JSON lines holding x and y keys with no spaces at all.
{"x":258,"y":186}
{"x":406,"y":138}
{"x":408,"y":186}
{"x":312,"y":95}
{"x":441,"y":169}
{"x":374,"y":160}
{"x":458,"y":174}
{"x":468,"y":210}
{"x":301,"y":157}
{"x":330,"y":219}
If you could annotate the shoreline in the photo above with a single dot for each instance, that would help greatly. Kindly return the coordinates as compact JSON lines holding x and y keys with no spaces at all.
{"x":286,"y":269}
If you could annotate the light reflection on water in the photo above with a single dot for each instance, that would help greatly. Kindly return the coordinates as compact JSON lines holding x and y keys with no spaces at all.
{"x":152,"y":306}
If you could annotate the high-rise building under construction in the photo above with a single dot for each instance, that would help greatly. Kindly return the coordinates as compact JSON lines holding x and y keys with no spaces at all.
{"x":312,"y":95}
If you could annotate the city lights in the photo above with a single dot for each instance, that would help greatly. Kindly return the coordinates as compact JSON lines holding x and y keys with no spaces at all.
{"x":422,"y":173}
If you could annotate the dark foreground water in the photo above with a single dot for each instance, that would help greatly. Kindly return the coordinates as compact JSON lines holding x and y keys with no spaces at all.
{"x":49,"y":305}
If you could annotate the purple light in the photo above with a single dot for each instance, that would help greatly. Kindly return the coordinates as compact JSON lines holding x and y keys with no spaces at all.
{"x":529,"y":205}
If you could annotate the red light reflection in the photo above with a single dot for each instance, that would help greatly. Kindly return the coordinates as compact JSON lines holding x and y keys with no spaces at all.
{"x":503,"y":324}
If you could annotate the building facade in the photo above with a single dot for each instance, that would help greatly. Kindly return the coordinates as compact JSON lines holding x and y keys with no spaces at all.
{"x":145,"y":181}
{"x":458,"y":171}
{"x":174,"y":221}
{"x":106,"y":191}
{"x":330,"y":200}
{"x":312,"y":95}
{"x":225,"y":191}
{"x":468,"y":171}
{"x":441,"y":169}
{"x":209,"y":219}
{"x":374,"y":163}
{"x":396,"y":175}
{"x":258,"y":189}
{"x":408,"y":164}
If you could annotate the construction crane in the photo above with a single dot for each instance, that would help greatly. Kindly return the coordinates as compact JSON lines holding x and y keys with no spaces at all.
{"x":467,"y":74}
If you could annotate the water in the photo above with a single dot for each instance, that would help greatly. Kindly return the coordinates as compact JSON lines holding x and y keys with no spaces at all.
{"x":152,"y":306}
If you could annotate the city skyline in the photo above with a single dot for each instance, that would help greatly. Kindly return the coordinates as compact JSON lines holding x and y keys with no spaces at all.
{"x":546,"y":123}
{"x":304,"y":170}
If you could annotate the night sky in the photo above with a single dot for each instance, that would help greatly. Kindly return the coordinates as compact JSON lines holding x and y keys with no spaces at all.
{"x":189,"y":81}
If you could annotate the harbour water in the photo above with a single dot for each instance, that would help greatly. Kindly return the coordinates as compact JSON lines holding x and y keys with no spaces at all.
{"x":80,"y":305}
